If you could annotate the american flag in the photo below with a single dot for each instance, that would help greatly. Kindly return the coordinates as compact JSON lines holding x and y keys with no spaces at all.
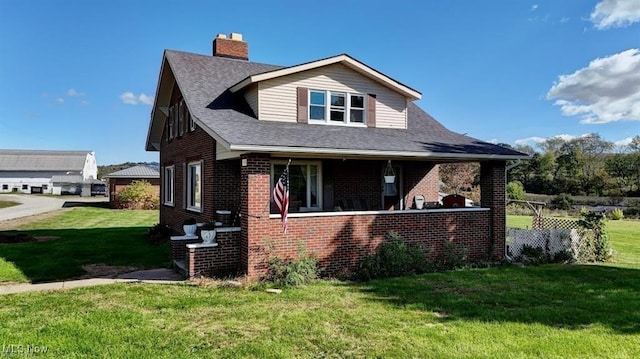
{"x":281,"y":197}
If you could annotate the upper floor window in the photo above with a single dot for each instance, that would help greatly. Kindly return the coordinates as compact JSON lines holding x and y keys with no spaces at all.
{"x":342,"y":107}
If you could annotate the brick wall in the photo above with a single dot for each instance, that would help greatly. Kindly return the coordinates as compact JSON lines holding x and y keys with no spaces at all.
{"x":255,"y":195}
{"x":421,"y":178}
{"x":493,"y":195}
{"x":340,"y":242}
{"x":226,"y":191}
{"x":220,"y":260}
{"x":179,"y":248}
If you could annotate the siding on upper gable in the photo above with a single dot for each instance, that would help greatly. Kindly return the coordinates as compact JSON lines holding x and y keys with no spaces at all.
{"x":277,"y":97}
{"x":251,"y":95}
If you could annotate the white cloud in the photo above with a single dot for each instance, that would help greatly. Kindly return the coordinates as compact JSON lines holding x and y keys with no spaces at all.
{"x":147,"y":100}
{"x":608,"y":90}
{"x":564,"y":19}
{"x":623,"y":142}
{"x":84,"y":103}
{"x":615,"y":13}
{"x":60,"y":100}
{"x":536,"y":140}
{"x":130,"y":98}
{"x":534,"y":7}
{"x":530,"y":140}
{"x":72,"y":92}
{"x":494,"y":141}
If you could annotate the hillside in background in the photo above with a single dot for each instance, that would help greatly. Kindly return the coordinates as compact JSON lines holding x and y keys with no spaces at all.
{"x":105,"y":170}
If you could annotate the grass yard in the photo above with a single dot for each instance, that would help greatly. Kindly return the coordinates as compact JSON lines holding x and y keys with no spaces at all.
{"x":83,"y":235}
{"x":6,"y":204}
{"x":504,"y":312}
{"x":549,"y":311}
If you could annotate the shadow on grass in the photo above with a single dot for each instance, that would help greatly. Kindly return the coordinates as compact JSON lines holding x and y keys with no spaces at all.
{"x":62,"y":258}
{"x":561,"y":296}
{"x":71,"y":204}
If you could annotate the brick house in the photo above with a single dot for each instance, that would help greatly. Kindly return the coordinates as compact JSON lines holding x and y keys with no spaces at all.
{"x":118,"y":180}
{"x":226,"y":127}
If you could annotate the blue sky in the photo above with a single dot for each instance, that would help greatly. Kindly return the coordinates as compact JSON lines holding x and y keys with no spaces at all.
{"x":82,"y":74}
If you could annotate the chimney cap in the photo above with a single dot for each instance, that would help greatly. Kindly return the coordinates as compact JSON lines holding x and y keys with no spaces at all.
{"x":221,"y":36}
{"x":236,"y":36}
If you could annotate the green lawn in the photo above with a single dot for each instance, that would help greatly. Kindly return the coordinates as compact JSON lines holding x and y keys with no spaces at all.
{"x":550,"y":311}
{"x":6,"y":204}
{"x":85,"y":235}
{"x":505,"y":312}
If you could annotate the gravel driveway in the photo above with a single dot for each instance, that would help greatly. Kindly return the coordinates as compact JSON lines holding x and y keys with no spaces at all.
{"x":33,"y":205}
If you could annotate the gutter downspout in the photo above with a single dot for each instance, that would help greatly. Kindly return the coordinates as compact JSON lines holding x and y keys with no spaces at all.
{"x":506,"y":171}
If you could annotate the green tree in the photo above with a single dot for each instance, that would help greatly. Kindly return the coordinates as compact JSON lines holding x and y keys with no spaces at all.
{"x":515,"y":190}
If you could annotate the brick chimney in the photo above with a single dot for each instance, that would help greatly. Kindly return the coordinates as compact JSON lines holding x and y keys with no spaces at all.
{"x":232,"y":47}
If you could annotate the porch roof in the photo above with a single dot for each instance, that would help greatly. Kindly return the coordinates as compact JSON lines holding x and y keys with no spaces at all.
{"x":205,"y":81}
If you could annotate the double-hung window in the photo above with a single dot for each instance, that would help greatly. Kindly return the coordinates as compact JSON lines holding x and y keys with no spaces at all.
{"x":168,"y":185}
{"x":342,"y":108}
{"x":305,"y":184}
{"x":194,"y":186}
{"x":181,"y":108}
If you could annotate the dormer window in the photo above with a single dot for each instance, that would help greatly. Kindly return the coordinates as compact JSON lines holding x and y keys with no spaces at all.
{"x":342,"y":108}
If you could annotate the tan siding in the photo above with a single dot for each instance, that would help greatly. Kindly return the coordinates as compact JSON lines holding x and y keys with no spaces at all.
{"x":251,"y":95}
{"x":278,"y":96}
{"x":221,"y":151}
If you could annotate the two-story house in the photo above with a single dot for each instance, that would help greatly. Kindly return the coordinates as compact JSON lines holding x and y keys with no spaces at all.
{"x":226,"y":128}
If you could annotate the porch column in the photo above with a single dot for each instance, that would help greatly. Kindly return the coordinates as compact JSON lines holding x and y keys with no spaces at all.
{"x":254,"y":198}
{"x":492,"y":195}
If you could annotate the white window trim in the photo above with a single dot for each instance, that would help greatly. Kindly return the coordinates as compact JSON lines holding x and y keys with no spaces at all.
{"x":192,"y":122}
{"x":306,"y":207}
{"x":188,"y":189}
{"x":171,"y":189}
{"x":347,"y":108}
{"x":180,"y":106}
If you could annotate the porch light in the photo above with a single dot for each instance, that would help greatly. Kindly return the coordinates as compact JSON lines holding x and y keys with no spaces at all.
{"x":389,"y":175}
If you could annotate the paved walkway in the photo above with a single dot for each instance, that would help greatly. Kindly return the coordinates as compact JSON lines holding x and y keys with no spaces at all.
{"x":152,"y":276}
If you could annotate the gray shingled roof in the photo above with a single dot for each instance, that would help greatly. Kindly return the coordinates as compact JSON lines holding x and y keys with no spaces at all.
{"x":40,"y":160}
{"x":66,"y":179}
{"x":204,"y":82}
{"x":135,"y":172}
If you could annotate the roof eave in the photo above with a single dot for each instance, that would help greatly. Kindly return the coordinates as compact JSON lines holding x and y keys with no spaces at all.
{"x":374,"y":153}
{"x":155,"y":145}
{"x":346,"y":59}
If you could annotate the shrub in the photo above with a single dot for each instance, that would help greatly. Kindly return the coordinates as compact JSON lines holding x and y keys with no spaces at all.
{"x":160,"y":233}
{"x":595,"y":245}
{"x":531,"y":255}
{"x":292,"y":272}
{"x":393,"y":258}
{"x":515,"y":190}
{"x":616,"y":214}
{"x":632,"y":212}
{"x":454,"y":255}
{"x":562,"y":201}
{"x":138,"y":195}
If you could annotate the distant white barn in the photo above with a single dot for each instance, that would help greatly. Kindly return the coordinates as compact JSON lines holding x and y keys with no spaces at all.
{"x":55,"y":172}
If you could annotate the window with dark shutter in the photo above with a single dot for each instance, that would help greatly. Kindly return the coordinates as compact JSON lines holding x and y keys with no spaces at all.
{"x":303,"y":105}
